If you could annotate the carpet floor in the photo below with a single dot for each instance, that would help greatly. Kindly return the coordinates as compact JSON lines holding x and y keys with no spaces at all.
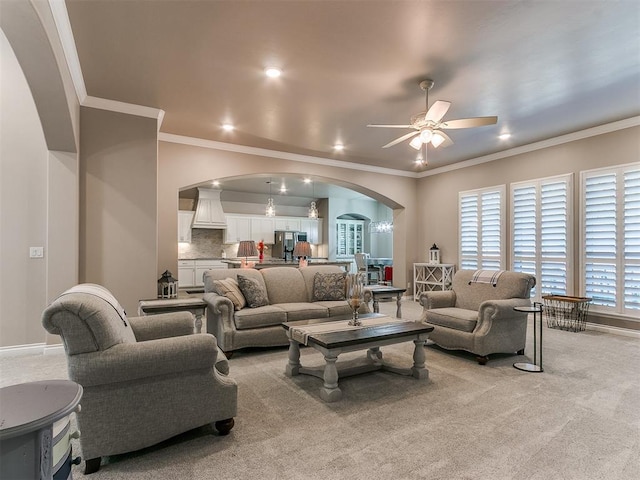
{"x":580,"y":419}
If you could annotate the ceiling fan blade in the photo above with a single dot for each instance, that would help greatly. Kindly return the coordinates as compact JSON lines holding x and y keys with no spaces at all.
{"x":444,"y":143}
{"x":401,"y":139}
{"x":391,"y":126}
{"x":437,"y":111}
{"x":469,"y":122}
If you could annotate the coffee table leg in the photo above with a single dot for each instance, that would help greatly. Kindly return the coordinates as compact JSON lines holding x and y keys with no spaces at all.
{"x":330,"y":392}
{"x":374,"y":354}
{"x":418,"y":370}
{"x":293,"y":367}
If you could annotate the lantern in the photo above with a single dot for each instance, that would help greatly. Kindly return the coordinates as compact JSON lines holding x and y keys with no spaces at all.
{"x":167,"y":286}
{"x":434,"y":255}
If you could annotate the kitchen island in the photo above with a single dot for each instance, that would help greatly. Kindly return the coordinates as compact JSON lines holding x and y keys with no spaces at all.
{"x":268,"y":263}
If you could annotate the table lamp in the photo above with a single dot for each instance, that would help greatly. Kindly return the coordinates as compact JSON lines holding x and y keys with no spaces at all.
{"x":302,"y":250}
{"x":246,"y":248}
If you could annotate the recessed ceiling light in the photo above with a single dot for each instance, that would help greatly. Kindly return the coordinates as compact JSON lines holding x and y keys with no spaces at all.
{"x":227,"y":127}
{"x":338,"y":147}
{"x":272,"y":72}
{"x":307,"y":180}
{"x":504,"y":136}
{"x":283,"y":188}
{"x":216,"y":183}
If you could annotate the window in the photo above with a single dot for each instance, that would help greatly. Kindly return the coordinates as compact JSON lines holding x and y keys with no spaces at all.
{"x":540,"y":233}
{"x":610,"y":267}
{"x":481,"y":214}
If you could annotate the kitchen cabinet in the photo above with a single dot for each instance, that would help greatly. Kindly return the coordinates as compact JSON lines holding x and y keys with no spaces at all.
{"x":350,"y":239}
{"x":313,"y":228}
{"x":204,"y":265}
{"x":287,"y":223}
{"x":262,"y":228}
{"x":185,"y":219}
{"x":186,"y":273}
{"x":238,"y":228}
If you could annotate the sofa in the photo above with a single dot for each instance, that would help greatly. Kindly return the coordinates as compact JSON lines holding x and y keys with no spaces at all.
{"x":144,"y":379}
{"x":292,"y":294}
{"x":477,"y":314}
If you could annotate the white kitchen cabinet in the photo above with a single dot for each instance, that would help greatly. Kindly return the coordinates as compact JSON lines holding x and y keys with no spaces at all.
{"x":313,"y":228}
{"x":238,"y":228}
{"x":350,"y":237}
{"x":287,"y":223}
{"x":185,"y":219}
{"x":186,"y":273}
{"x":204,"y":265}
{"x":262,"y":228}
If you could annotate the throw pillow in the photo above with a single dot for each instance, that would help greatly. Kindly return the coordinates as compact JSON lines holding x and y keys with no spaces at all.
{"x":253,"y":292}
{"x":329,"y":286}
{"x":230,"y":289}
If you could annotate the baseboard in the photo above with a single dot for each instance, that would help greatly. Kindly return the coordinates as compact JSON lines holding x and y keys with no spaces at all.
{"x":625,"y":332}
{"x":31,"y":349}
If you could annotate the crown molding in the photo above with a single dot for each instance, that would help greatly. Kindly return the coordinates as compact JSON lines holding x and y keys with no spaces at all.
{"x":531,"y":147}
{"x":294,"y":157}
{"x":122,"y":107}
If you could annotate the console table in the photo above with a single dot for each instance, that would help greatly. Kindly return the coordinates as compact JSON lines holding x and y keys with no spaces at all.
{"x":34,"y":429}
{"x":428,"y":277}
{"x":196,"y":306}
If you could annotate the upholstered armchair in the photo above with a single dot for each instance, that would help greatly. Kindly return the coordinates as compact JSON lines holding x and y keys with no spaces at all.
{"x":477,"y":314}
{"x":145,"y":379}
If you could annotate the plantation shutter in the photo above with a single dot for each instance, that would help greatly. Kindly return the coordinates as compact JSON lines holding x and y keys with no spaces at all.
{"x":632,"y":240}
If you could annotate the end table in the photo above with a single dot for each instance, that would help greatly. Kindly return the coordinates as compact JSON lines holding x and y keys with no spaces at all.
{"x":536,"y":309}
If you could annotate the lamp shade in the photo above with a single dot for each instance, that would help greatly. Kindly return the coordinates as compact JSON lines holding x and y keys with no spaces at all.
{"x":247,"y":248}
{"x":302,"y":249}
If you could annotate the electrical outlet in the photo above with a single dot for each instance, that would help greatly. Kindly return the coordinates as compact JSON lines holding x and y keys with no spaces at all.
{"x":36,"y":252}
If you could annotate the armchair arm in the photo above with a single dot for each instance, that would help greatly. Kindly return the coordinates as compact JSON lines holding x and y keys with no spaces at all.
{"x":438,"y":299}
{"x":499,"y":311}
{"x":128,"y":362}
{"x":163,"y":325}
{"x":220,"y":313}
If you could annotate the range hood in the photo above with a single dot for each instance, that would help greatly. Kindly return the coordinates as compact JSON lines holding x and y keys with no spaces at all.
{"x":209,"y":213}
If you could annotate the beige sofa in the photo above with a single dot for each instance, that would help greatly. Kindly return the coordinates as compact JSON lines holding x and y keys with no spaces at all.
{"x":290,"y":293}
{"x":479,"y":317}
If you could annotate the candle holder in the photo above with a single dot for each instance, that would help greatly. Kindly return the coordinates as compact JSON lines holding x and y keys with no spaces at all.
{"x":355,"y":295}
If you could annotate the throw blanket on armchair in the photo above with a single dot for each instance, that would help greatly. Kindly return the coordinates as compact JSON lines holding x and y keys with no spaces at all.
{"x":486,"y":276}
{"x":100,"y":292}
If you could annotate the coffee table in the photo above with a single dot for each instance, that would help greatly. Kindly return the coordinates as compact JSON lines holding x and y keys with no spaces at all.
{"x":377,"y":331}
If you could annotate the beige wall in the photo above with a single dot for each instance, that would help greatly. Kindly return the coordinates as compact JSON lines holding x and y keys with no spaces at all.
{"x":118,"y":197}
{"x":184,"y":165}
{"x":438,"y":194}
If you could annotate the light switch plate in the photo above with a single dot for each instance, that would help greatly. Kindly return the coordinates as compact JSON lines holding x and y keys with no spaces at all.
{"x":36,"y":252}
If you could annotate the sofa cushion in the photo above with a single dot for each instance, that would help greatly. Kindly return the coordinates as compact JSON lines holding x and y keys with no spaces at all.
{"x":254,"y":293}
{"x":337,"y":307}
{"x":303,"y":311}
{"x":266,"y":316}
{"x":229,"y":288}
{"x":284,"y":284}
{"x":329,"y":286}
{"x":451,"y":317}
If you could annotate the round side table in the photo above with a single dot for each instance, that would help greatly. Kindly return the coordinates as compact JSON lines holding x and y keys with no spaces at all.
{"x":536,"y":309}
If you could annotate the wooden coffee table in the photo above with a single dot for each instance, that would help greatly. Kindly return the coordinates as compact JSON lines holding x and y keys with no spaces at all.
{"x":377,"y":331}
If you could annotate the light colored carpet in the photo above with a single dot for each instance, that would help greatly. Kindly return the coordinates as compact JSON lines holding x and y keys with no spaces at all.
{"x":580,"y":419}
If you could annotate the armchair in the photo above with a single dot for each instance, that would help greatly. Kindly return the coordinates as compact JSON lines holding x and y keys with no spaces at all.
{"x":479,"y":317}
{"x":136,"y":370}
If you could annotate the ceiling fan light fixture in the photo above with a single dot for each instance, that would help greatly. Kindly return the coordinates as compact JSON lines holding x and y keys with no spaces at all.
{"x":426,"y":135}
{"x":437,"y":139}
{"x":416,"y":142}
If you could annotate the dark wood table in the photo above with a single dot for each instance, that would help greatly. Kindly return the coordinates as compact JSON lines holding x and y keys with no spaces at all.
{"x":370,"y":337}
{"x":196,"y":306}
{"x":381,"y":291}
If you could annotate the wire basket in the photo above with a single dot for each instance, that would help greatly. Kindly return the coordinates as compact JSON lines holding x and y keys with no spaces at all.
{"x":566,"y":312}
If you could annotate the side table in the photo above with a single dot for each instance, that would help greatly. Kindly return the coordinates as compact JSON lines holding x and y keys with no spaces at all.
{"x":378,"y":292}
{"x":31,"y":435}
{"x":536,"y":309}
{"x":196,"y":306}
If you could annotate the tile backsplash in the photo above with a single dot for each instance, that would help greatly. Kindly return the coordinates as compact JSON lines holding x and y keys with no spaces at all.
{"x":208,"y":243}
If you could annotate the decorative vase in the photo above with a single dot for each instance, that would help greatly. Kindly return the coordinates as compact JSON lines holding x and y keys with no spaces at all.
{"x":355,"y":295}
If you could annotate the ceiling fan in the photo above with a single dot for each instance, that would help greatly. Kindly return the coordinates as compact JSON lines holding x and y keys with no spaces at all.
{"x":428,"y":125}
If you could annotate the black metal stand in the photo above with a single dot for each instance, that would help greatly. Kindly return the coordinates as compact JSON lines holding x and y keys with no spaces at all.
{"x":532,"y":367}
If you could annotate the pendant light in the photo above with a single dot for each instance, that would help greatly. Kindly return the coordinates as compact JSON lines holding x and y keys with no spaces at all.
{"x":270,"y":211}
{"x":313,"y":210}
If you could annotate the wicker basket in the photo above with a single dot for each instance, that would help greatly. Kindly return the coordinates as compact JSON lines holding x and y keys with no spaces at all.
{"x":566,"y":312}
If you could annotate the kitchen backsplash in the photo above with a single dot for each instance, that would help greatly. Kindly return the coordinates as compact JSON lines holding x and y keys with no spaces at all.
{"x":208,"y":243}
